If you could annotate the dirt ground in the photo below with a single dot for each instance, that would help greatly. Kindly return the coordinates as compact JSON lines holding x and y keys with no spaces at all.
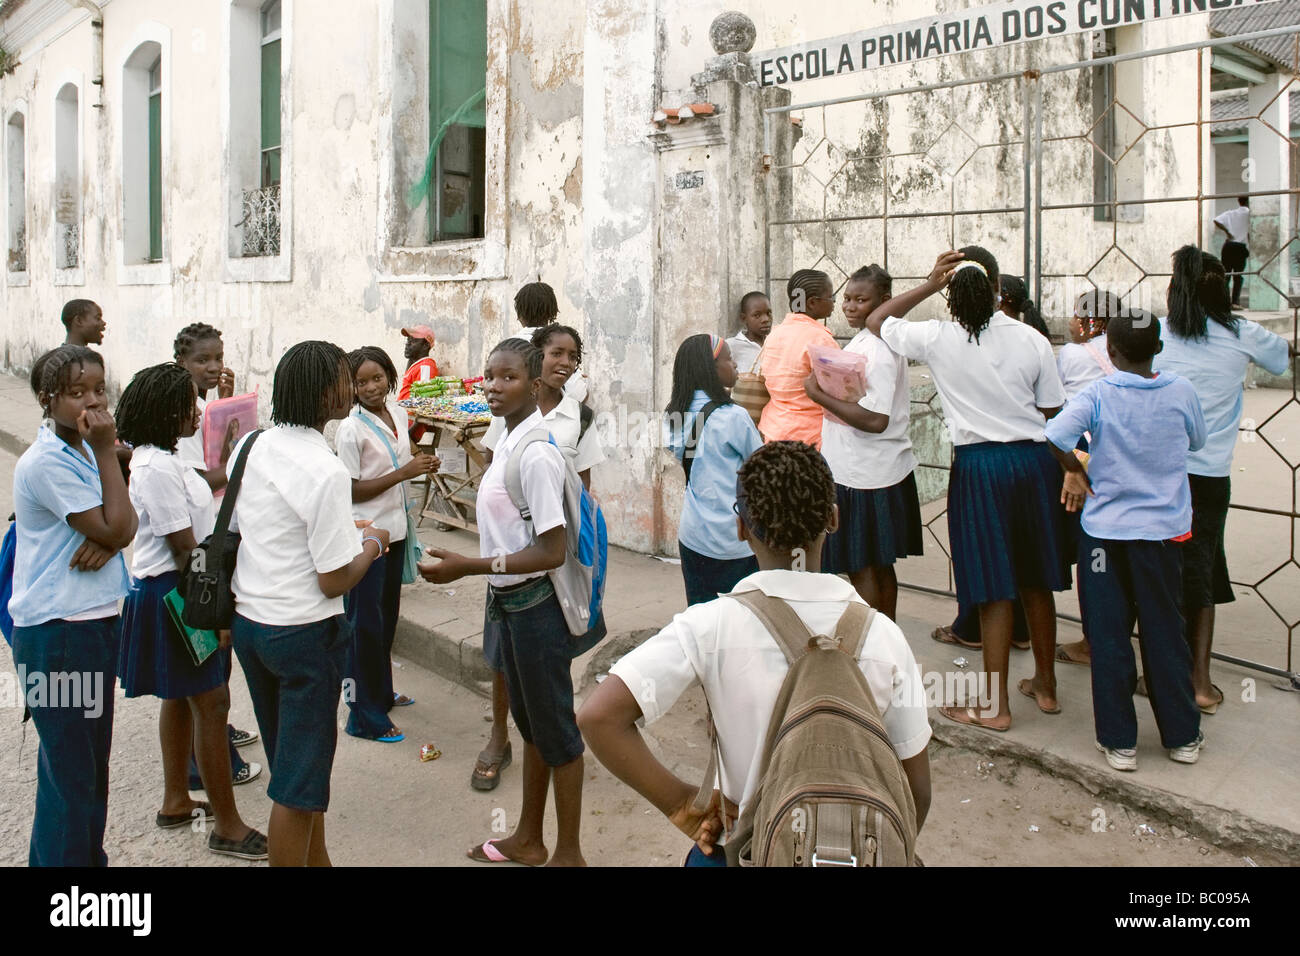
{"x":389,"y":808}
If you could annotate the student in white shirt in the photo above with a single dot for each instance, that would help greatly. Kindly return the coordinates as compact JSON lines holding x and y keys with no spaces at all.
{"x":72,"y":518}
{"x":755,"y":314}
{"x":870,"y":455}
{"x":571,"y":426}
{"x":175,"y":511}
{"x":1083,"y":359}
{"x":1235,"y":226}
{"x":536,"y":307}
{"x":378,"y":458}
{"x":300,"y":551}
{"x":199,"y":350}
{"x":535,"y":640}
{"x":787,"y":505}
{"x":999,"y":385}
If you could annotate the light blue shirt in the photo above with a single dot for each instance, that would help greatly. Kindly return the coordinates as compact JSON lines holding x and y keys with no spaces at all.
{"x":1216,"y":367}
{"x":708,"y":524}
{"x":51,"y":481}
{"x":1142,"y":430}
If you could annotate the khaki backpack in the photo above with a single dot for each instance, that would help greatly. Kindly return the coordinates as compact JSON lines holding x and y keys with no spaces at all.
{"x":831,"y":789}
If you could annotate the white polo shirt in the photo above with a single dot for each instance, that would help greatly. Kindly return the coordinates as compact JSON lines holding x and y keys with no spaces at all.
{"x":190,"y":450}
{"x":366,"y":455}
{"x":991,"y":390}
{"x":744,"y":351}
{"x":740,"y":666}
{"x":867,"y":460}
{"x":294,"y":515}
{"x":1236,"y":221}
{"x":168,"y":496}
{"x":501,"y":528}
{"x":1081,"y":363}
{"x":565,"y":423}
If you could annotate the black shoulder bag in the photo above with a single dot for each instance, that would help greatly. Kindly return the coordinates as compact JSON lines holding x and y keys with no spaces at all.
{"x":205,"y":583}
{"x":693,"y":441}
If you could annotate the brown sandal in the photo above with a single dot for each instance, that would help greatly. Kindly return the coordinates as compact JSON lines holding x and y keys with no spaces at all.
{"x":487,"y":770}
{"x":944,"y":634}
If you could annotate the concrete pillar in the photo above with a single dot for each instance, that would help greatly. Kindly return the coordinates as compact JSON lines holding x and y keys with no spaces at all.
{"x":618,"y":193}
{"x":1270,"y":225}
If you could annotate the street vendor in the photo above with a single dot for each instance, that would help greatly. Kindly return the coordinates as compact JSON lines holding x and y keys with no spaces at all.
{"x":420,"y":367}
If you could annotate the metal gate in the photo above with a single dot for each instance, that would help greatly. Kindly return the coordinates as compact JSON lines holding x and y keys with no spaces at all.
{"x":864,"y":181}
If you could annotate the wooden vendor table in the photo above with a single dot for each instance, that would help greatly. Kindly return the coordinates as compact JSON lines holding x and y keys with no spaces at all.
{"x":451,"y":498}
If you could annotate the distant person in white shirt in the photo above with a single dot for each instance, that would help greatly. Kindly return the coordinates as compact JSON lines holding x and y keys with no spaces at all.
{"x":755,"y":314}
{"x":786,"y":507}
{"x":1235,"y":224}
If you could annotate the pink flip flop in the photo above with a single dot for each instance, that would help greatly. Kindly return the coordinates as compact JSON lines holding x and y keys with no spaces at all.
{"x":489,"y":850}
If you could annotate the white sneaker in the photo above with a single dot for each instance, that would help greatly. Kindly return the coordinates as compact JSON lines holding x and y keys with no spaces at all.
{"x":1121,"y":759}
{"x":1189,"y":753}
{"x":250,"y":772}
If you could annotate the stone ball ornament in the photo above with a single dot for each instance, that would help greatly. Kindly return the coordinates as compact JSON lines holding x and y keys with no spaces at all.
{"x":732,"y":32}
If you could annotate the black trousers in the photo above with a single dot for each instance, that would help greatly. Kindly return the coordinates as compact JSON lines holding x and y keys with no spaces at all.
{"x":1235,"y":255}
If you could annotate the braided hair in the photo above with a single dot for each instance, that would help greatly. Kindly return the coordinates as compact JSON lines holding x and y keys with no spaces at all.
{"x":57,"y":369}
{"x":1198,"y":290}
{"x":372,"y":353}
{"x":804,"y":285}
{"x":531,"y":354}
{"x":547,"y":332}
{"x":877,"y":276}
{"x":788,"y":494}
{"x":1098,"y":307}
{"x":694,"y":370}
{"x":191,"y":335}
{"x":303,"y":380}
{"x":155,"y":406}
{"x":1015,"y":296}
{"x":971,"y":293}
{"x":535,"y":305}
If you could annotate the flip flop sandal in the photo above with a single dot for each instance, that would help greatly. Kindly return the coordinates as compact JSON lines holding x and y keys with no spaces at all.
{"x":1026,"y":687}
{"x":401,"y":700}
{"x":488,"y":778}
{"x":170,"y":821}
{"x":1065,"y":658}
{"x":970,"y":718}
{"x":394,"y":736}
{"x":946,"y":635}
{"x":1021,"y":645}
{"x":1210,"y":709}
{"x":491,"y":854}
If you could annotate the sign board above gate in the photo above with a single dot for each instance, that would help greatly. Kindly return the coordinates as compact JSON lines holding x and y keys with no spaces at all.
{"x":962,"y":31}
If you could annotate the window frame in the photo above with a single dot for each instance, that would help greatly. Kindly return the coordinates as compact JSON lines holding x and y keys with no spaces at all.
{"x":135,"y":271}
{"x":75,"y":276}
{"x":17,"y":108}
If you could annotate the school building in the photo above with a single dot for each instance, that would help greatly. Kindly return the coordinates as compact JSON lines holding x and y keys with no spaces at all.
{"x":340,"y":169}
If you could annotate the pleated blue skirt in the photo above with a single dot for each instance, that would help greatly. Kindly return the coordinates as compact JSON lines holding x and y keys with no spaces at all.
{"x":877,"y":527}
{"x":1005,"y":521}
{"x":151,"y":659}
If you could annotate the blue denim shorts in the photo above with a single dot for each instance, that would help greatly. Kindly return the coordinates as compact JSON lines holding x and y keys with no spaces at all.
{"x":294,"y":674}
{"x":536,"y":651}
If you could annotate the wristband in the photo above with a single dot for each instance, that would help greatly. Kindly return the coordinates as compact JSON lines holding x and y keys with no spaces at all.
{"x":375,"y":539}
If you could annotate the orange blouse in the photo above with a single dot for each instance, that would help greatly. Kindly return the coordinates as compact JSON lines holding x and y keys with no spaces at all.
{"x":791,"y":415}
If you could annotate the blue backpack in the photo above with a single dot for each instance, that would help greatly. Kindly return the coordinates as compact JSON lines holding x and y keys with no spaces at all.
{"x":7,"y":549}
{"x":580,"y":581}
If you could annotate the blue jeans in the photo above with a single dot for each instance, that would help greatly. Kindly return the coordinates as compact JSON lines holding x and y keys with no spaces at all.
{"x":372,"y":608}
{"x":697,"y":857}
{"x":294,"y":673}
{"x":72,"y":762}
{"x":1138,"y":581}
{"x":236,"y":761}
{"x":707,"y":577}
{"x":536,"y":651}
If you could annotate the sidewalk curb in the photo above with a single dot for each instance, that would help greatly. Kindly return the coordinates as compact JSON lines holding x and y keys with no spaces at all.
{"x":1215,"y":824}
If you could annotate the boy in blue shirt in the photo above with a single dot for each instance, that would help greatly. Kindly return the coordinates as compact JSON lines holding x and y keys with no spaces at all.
{"x":1137,"y":510}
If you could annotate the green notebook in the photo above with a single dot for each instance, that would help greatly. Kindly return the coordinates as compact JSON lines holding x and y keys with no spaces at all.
{"x":199,"y":644}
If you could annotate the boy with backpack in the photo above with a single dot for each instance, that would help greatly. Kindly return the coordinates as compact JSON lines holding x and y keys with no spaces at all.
{"x":865,"y":806}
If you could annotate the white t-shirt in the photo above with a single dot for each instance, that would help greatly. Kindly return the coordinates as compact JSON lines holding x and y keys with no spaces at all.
{"x":991,"y":391}
{"x":366,"y":456}
{"x":1236,"y":221}
{"x":501,"y":528}
{"x":190,"y":450}
{"x":744,"y":351}
{"x":565,"y":423}
{"x":168,"y":495}
{"x":1080,"y":364}
{"x":294,"y":515}
{"x":867,"y":460}
{"x":740,"y":666}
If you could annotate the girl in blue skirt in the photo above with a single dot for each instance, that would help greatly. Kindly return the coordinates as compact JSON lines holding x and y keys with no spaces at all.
{"x":871,"y":458}
{"x":175,"y":510}
{"x":999,"y":385}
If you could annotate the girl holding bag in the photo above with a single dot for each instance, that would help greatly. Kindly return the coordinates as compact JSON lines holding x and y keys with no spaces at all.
{"x":377,"y":455}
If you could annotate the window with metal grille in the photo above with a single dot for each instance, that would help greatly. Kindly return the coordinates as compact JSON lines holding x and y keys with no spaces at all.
{"x":1104,"y":136}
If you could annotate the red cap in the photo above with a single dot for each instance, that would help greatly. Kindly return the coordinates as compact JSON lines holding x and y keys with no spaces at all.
{"x":419,"y":332}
